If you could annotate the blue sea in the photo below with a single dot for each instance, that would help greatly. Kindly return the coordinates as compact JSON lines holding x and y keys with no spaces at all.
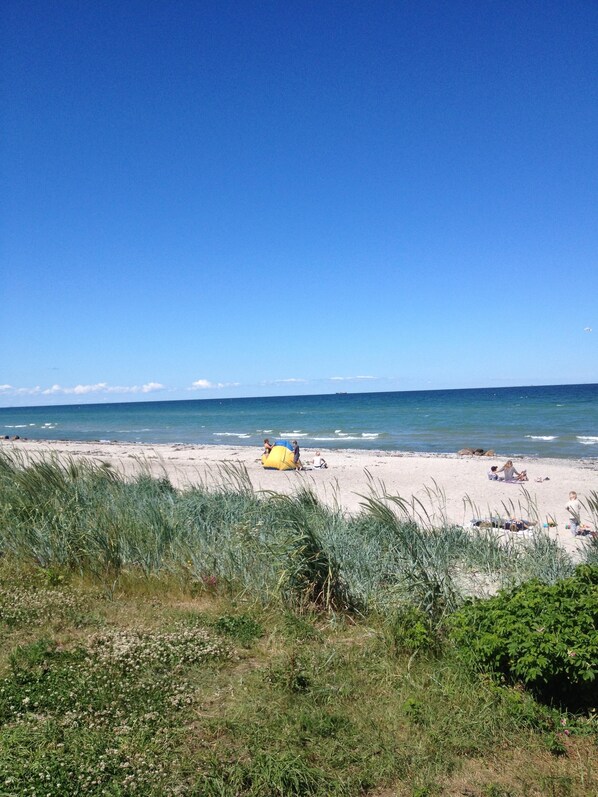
{"x":551,"y":421}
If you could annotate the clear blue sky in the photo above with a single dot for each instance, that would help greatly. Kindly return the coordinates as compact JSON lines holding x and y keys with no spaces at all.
{"x":218,"y":198}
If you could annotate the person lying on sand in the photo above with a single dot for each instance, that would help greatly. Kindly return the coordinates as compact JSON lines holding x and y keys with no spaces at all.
{"x":509,"y":524}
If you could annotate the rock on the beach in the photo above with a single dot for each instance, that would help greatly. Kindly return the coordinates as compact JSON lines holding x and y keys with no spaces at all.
{"x":465,"y":452}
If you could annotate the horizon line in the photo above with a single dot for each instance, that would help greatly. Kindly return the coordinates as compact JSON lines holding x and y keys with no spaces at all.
{"x":297,"y":396}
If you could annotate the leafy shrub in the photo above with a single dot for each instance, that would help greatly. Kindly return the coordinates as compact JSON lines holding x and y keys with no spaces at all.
{"x":545,"y":636}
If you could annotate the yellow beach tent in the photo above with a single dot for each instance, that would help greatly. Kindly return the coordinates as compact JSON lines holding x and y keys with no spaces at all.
{"x":280,"y":456}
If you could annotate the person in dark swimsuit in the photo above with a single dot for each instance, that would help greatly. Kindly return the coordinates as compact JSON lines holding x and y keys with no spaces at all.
{"x":296,"y":455}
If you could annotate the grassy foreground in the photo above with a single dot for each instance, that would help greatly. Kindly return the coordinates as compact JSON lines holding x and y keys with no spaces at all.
{"x":146,"y":689}
{"x":157,"y":642}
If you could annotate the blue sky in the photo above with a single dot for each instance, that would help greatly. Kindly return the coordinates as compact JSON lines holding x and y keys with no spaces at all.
{"x":215,"y":198}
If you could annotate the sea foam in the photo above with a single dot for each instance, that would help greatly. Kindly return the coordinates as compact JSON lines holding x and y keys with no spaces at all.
{"x":335,"y":439}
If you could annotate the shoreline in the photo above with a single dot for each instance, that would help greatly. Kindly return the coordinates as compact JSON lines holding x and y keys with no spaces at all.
{"x":590,"y":461}
{"x":451,"y":487}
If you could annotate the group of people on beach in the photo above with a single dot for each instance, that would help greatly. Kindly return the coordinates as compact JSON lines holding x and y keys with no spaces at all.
{"x":509,"y":474}
{"x":573,"y":507}
{"x":318,"y":461}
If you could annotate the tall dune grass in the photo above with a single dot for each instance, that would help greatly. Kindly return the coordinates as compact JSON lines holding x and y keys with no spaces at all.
{"x":82,"y":515}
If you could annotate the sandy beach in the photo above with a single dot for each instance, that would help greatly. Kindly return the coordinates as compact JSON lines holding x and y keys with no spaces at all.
{"x":450,"y":486}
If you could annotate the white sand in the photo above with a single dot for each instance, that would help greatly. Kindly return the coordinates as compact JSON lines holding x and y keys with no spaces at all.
{"x":447,"y":485}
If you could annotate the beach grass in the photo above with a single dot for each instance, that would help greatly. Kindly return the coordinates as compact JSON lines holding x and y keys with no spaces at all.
{"x":83,"y":516}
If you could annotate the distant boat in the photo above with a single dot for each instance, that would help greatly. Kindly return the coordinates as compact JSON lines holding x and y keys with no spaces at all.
{"x":341,"y":393}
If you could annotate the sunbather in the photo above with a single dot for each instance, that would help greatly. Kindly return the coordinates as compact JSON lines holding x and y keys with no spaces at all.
{"x":512,"y":475}
{"x":319,"y":461}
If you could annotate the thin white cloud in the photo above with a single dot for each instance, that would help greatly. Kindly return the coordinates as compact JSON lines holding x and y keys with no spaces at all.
{"x":350,"y":378}
{"x":151,"y":386}
{"x":202,"y":384}
{"x":80,"y":390}
{"x":9,"y":390}
{"x":290,"y":380}
{"x":205,"y":384}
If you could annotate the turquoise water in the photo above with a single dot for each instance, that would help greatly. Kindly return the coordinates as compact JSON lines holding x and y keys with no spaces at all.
{"x":552,"y":421}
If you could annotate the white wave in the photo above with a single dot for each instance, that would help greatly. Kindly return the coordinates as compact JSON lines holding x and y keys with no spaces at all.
{"x":370,"y":435}
{"x":16,"y":426}
{"x":294,"y":434}
{"x":265,"y":431}
{"x":587,"y":440}
{"x":542,"y":436}
{"x":337,"y":431}
{"x":335,"y":439}
{"x":240,"y":435}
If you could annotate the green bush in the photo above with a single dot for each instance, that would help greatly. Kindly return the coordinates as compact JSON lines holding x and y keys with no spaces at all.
{"x":545,"y":636}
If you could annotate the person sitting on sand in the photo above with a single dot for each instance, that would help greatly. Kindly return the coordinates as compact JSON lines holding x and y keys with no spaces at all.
{"x":493,"y":474}
{"x":512,"y":475}
{"x":267,"y":447}
{"x":319,"y":461}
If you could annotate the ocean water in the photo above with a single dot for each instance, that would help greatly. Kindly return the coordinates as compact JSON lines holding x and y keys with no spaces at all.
{"x":551,"y":421}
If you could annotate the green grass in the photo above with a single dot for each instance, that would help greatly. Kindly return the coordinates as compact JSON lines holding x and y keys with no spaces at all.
{"x":169,"y":693}
{"x":221,"y":642}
